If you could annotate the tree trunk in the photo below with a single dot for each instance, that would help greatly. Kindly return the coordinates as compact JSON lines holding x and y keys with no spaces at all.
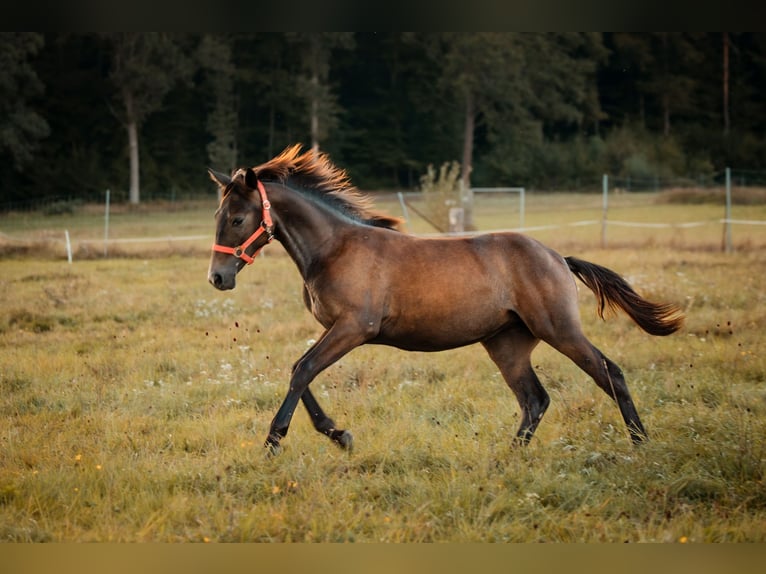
{"x":470,"y":118}
{"x":272,"y":118}
{"x":726,"y":125}
{"x":132,"y":127}
{"x":665,"y":95}
{"x":315,"y":112}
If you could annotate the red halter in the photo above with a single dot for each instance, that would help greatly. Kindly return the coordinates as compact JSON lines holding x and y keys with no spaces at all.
{"x":266,"y":226}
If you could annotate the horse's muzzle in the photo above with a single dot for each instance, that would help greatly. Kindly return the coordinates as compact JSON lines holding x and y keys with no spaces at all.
{"x":221,"y":281}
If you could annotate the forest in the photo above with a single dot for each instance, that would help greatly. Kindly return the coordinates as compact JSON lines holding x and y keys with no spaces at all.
{"x":144,"y":114}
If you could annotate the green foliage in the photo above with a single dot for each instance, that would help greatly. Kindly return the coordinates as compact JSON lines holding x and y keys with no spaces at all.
{"x":316,"y":49}
{"x":216,"y":60}
{"x":22,"y":127}
{"x":550,"y":110}
{"x":145,"y":67}
{"x":633,"y":152}
{"x":62,"y":207}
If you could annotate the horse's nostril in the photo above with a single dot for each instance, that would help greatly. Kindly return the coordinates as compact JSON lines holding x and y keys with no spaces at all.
{"x":216,"y":279}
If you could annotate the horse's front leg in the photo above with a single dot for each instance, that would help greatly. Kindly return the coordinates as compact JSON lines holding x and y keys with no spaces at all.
{"x":338,"y":340}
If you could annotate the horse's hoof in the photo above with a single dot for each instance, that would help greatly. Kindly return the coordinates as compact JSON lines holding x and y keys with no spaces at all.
{"x":345,"y":440}
{"x":639,"y":439}
{"x":272,"y":448}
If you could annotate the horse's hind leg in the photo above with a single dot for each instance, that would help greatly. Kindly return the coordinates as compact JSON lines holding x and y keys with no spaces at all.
{"x":510,"y":350}
{"x":608,"y":377}
{"x":325,"y":424}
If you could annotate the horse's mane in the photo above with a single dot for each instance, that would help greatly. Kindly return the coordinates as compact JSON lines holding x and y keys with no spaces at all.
{"x":314,"y":172}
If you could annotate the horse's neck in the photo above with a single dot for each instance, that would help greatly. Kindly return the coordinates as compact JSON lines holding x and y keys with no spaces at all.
{"x":308,"y":230}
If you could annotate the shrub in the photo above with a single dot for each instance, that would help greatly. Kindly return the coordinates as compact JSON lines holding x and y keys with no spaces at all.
{"x":61,"y":207}
{"x":441,"y":192}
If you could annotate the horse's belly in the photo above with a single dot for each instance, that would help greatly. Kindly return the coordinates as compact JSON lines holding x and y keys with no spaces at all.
{"x":440,"y":331}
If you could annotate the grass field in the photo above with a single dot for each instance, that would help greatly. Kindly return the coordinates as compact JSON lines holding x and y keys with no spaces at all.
{"x":135,"y":398}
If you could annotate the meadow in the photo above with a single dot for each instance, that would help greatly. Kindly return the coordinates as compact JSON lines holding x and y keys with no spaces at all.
{"x":134,"y":398}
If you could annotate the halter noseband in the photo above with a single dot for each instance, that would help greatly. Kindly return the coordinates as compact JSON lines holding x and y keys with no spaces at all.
{"x":266,"y":226}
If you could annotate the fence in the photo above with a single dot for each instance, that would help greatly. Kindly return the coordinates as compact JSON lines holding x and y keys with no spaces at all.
{"x":727,"y":220}
{"x":456,"y":214}
{"x":610,"y":188}
{"x":522,"y":197}
{"x":625,"y":185}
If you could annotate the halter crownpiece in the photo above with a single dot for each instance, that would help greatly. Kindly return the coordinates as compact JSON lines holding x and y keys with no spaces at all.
{"x":266,"y":226}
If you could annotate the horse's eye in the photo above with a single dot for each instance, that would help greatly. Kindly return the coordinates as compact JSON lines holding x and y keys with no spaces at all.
{"x":237,"y":221}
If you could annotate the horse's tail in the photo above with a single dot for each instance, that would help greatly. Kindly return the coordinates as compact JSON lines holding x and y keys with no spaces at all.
{"x":611,"y":289}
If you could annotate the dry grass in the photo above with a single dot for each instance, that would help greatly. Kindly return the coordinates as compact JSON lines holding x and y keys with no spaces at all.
{"x":135,"y":399}
{"x":715,"y":196}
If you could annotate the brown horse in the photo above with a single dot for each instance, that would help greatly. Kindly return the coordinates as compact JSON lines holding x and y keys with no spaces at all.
{"x":368,"y":283}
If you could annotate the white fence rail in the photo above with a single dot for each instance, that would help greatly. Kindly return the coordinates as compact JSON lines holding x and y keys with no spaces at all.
{"x":727,"y":221}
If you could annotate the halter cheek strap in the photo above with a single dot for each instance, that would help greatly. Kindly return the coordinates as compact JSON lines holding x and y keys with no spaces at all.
{"x":266,"y":226}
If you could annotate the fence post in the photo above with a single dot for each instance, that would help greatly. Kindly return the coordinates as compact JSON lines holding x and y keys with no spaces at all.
{"x":605,"y":201}
{"x":400,"y":195}
{"x":68,"y":247}
{"x":727,"y":220}
{"x":106,"y":225}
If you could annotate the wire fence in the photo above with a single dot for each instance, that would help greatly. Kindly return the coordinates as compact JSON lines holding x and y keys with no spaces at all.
{"x":657,"y":183}
{"x":718,"y":188}
{"x":722,"y":183}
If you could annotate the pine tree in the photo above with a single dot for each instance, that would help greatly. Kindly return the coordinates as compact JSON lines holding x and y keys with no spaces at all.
{"x":21,"y":126}
{"x":317,"y":48}
{"x":216,"y":60}
{"x":145,"y":67}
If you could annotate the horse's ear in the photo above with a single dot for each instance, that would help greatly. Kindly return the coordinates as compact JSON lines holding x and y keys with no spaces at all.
{"x":251,"y":179}
{"x":221,"y":179}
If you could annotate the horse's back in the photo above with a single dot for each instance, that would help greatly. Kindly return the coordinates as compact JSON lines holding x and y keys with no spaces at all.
{"x":489,"y":264}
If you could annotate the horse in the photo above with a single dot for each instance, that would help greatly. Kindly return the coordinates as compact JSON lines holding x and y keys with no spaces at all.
{"x":366,"y":281}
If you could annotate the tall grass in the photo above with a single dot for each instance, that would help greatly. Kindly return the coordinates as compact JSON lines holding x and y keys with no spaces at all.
{"x":134,"y":400}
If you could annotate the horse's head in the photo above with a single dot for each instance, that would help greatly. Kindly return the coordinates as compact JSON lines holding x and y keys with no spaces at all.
{"x":243,"y":226}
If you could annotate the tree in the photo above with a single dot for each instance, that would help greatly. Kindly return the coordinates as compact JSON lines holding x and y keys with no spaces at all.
{"x":513,"y":85}
{"x":481,"y":69}
{"x":317,"y":50}
{"x":216,"y":60}
{"x":662,"y":65}
{"x":393,"y":122}
{"x":519,"y":109}
{"x":560,"y":68}
{"x":271,"y":110}
{"x":145,"y":67}
{"x":725,"y":83}
{"x":21,"y":126}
